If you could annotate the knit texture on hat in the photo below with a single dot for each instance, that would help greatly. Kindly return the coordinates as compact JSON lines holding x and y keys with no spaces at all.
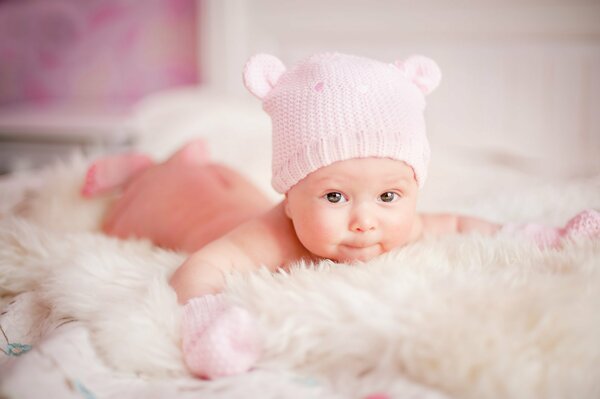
{"x":333,"y":107}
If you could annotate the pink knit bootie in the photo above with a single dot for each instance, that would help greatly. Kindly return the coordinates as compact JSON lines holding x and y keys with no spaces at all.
{"x":218,"y":339}
{"x":584,"y":225}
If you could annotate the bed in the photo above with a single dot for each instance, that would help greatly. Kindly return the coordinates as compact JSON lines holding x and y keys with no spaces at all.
{"x":84,"y":315}
{"x":463,"y":316}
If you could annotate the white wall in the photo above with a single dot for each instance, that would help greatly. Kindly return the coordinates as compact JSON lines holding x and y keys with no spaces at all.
{"x":521,"y":77}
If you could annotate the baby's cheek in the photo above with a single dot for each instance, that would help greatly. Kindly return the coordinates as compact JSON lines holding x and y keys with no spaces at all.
{"x":326,"y":227}
{"x":317,"y":231}
{"x":399,"y":232}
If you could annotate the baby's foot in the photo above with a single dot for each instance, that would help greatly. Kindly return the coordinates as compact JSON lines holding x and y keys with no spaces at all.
{"x":218,"y":340}
{"x":111,"y":172}
{"x":193,"y":152}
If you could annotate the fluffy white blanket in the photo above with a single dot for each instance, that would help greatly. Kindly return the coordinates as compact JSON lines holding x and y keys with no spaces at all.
{"x":464,"y":317}
{"x":458,"y":317}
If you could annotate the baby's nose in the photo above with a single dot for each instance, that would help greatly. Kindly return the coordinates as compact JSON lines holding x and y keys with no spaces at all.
{"x":362,"y":221}
{"x":363,"y":228}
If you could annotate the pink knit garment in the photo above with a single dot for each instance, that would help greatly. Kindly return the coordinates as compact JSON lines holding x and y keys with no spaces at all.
{"x":332,"y":107}
{"x":584,"y":225}
{"x":218,"y":339}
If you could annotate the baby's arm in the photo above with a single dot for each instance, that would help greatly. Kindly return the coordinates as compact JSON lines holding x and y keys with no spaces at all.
{"x":203,"y":272}
{"x":438,"y":224}
{"x":219,"y":339}
{"x":268,"y":240}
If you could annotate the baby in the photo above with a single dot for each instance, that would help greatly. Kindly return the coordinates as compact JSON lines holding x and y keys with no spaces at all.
{"x":350,"y":153}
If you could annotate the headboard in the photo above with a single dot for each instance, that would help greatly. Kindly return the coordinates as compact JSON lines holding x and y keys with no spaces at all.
{"x":521,"y":78}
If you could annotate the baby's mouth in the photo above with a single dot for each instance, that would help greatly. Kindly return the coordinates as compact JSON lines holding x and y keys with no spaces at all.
{"x":361,"y":251}
{"x":358,"y":245}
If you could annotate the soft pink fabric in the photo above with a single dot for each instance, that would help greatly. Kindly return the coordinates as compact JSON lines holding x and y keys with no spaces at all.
{"x":540,"y":235}
{"x":218,"y":339}
{"x":584,"y":225}
{"x":332,"y":107}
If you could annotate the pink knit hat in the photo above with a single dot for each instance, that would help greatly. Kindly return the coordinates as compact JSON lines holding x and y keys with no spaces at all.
{"x":332,"y":107}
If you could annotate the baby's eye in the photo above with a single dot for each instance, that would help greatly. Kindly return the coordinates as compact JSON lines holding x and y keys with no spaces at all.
{"x":335,"y":197}
{"x":389,"y":196}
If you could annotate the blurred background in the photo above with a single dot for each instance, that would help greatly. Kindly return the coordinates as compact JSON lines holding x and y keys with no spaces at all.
{"x":521,"y":83}
{"x":71,"y":71}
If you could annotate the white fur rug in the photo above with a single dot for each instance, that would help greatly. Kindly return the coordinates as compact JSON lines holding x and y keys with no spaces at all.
{"x":460,"y":317}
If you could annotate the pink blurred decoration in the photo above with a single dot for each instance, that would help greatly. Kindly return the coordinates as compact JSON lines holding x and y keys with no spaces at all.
{"x":95,"y":52}
{"x":378,"y":396}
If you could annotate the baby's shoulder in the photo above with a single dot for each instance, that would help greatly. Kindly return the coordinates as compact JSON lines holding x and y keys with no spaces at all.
{"x":269,"y":239}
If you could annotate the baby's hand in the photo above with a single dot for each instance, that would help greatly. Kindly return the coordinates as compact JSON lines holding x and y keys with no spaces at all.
{"x":542,"y":236}
{"x":585,"y":224}
{"x":218,"y":339}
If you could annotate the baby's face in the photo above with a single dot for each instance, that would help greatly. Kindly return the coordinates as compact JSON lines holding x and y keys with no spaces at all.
{"x":354,"y":209}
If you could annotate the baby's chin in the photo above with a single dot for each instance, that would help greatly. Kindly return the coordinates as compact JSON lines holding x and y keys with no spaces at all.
{"x":350,"y":255}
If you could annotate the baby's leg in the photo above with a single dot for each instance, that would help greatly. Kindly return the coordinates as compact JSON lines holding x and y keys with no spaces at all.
{"x":109,"y":173}
{"x":193,"y":152}
{"x":185,"y":202}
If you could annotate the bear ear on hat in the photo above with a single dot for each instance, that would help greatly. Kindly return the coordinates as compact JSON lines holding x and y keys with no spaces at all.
{"x":261,"y":73}
{"x":422,"y":71}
